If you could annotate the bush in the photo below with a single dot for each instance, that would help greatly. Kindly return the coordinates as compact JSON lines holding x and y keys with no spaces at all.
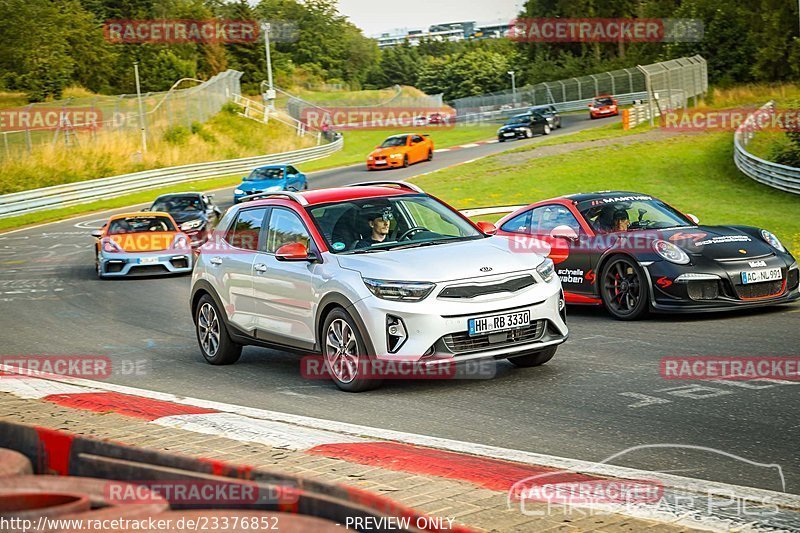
{"x":177,"y":135}
{"x":232,"y":108}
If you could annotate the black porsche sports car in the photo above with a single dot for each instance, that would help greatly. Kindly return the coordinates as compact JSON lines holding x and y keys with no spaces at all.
{"x":195,"y":213}
{"x":634,"y":253}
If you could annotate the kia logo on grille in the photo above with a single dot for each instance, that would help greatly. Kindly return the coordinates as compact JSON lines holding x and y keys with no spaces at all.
{"x":486,"y":269}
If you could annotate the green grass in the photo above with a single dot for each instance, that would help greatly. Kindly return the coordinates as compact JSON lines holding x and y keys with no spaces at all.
{"x":224,"y":136}
{"x":359,"y":143}
{"x":694,"y":173}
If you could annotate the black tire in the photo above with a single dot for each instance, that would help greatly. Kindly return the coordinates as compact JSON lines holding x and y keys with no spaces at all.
{"x":624,"y":288}
{"x":430,"y":155}
{"x":500,"y":140}
{"x":405,"y":161}
{"x":534,"y":358}
{"x":208,"y":321}
{"x":591,"y":117}
{"x":328,"y":340}
{"x":305,"y":186}
{"x":97,"y":269}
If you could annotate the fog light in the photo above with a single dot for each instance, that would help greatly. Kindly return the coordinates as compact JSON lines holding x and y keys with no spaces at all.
{"x":395,"y":333}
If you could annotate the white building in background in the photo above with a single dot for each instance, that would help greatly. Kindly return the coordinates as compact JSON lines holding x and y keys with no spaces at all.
{"x":448,"y":31}
{"x":413,"y":37}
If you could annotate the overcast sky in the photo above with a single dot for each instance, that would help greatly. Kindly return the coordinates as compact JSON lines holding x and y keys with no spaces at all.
{"x":381,"y":16}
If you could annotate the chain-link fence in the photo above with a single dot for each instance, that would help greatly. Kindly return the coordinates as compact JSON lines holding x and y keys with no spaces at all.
{"x":296,"y":106}
{"x":81,"y":121}
{"x":685,"y":77}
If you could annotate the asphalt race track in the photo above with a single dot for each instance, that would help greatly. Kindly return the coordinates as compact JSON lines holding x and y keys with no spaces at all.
{"x":600,"y":395}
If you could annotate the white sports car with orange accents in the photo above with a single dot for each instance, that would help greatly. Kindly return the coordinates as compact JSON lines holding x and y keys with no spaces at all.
{"x":146,"y":243}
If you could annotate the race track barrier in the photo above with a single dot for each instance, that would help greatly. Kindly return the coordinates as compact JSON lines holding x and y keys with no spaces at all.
{"x":81,"y":192}
{"x":782,"y":177}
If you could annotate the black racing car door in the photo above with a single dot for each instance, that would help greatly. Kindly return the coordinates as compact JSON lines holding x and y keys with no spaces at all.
{"x":555,"y":224}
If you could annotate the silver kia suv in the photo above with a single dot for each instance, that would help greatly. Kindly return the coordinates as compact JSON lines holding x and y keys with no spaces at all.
{"x":371,"y":275}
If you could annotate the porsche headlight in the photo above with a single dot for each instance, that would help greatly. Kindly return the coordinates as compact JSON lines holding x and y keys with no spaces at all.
{"x":409,"y":291}
{"x":112,"y":247}
{"x":180,"y":242}
{"x":546,"y":269}
{"x":671,"y":252}
{"x":192,"y":224}
{"x":773,"y":241}
{"x":238,"y":191}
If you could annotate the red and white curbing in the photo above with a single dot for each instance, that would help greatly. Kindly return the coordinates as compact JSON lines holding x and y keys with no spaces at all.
{"x":489,"y":467}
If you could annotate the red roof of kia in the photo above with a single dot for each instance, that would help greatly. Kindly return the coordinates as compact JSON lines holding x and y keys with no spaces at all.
{"x":343,"y":194}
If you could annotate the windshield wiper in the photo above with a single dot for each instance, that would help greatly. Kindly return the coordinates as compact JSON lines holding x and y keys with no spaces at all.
{"x":422,"y":243}
{"x":365,"y":251}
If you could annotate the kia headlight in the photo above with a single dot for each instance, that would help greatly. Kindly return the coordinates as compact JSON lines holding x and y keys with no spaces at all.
{"x":773,"y":241}
{"x":546,"y":269}
{"x":407,"y":291}
{"x":192,"y":224}
{"x":671,"y":252}
{"x":238,"y":191}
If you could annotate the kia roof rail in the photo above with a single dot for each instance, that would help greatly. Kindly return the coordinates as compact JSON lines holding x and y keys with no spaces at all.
{"x":286,"y":194}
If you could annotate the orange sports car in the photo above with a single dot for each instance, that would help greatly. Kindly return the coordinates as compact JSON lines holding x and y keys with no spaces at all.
{"x":141,"y":243}
{"x":401,"y":150}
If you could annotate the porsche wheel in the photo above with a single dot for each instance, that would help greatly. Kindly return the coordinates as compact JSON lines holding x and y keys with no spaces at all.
{"x":624,"y":290}
{"x":528,"y":133}
{"x":546,"y":129}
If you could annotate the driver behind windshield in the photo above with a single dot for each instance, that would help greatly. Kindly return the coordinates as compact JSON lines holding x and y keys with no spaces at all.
{"x":379,"y":221}
{"x":621,"y":221}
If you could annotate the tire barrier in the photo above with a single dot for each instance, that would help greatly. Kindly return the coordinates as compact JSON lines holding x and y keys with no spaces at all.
{"x":13,"y":463}
{"x":30,"y":505}
{"x":83,"y":466}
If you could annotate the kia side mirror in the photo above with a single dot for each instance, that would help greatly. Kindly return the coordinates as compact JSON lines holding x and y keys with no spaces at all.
{"x":294,"y":251}
{"x":487,"y":228}
{"x":97,"y":233}
{"x":693,"y":218}
{"x":564,"y":232}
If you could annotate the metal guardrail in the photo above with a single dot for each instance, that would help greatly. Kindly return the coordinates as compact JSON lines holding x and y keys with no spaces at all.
{"x":561,"y":107}
{"x":782,"y":177}
{"x":104,"y":188}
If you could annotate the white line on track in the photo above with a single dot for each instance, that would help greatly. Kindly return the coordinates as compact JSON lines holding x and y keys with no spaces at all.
{"x":348,"y":430}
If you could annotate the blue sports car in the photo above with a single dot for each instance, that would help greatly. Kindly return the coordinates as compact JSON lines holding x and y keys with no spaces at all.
{"x":270,"y":178}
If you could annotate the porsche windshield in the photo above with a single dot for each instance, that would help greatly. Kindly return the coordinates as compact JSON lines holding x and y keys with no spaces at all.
{"x":394,"y":141}
{"x":641,"y":212}
{"x":385,"y":223}
{"x":603,"y":101}
{"x":141,"y":224}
